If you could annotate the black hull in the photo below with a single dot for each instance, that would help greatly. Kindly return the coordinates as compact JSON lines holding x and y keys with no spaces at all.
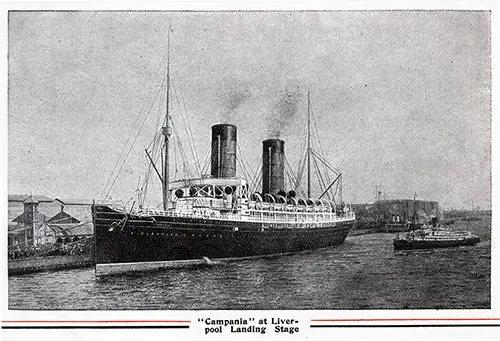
{"x":161,"y":239}
{"x":402,"y":244}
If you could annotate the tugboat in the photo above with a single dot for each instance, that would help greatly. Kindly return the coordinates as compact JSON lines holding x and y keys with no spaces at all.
{"x":220,"y":216}
{"x":433,"y":238}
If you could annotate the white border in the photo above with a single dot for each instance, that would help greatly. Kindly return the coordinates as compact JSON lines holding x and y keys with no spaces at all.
{"x":304,"y":316}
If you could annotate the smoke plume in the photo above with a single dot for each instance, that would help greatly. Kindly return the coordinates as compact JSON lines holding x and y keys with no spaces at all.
{"x":284,"y":110}
{"x":233,"y":95}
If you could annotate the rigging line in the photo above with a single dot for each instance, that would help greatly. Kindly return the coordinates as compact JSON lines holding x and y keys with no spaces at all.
{"x":125,"y":197}
{"x":322,"y":159}
{"x":154,"y":166}
{"x":303,"y":145}
{"x":287,"y":164}
{"x":320,"y":177}
{"x":131,"y":134}
{"x":291,"y":182}
{"x":242,"y":166}
{"x":252,"y":185}
{"x":190,"y":132}
{"x":300,"y":191}
{"x":150,"y":165}
{"x":146,"y":186}
{"x":302,"y":161}
{"x":329,"y":186}
{"x":290,"y":175}
{"x":255,"y":181}
{"x":182,"y":157}
{"x":160,"y":111}
{"x":184,"y":123}
{"x":336,"y":190}
{"x":301,"y":171}
{"x":239,"y":158}
{"x":114,"y":174}
{"x":341,"y":194}
{"x":174,"y":160}
{"x":145,"y":189}
{"x":248,"y":167}
{"x":149,"y":168}
{"x":318,"y":141}
{"x":131,"y":147}
{"x":257,"y":173}
{"x":153,"y":152}
{"x":186,"y":168}
{"x":149,"y":171}
{"x":298,"y":187}
{"x":207,"y":160}
{"x":252,"y":172}
{"x":159,"y":115}
{"x":174,"y":153}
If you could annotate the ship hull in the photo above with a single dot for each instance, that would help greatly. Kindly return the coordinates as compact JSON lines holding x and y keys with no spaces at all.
{"x":126,"y":242}
{"x":433,"y":244}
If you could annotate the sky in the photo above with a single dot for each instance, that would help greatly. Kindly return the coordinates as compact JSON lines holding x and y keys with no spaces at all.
{"x":401,"y":99}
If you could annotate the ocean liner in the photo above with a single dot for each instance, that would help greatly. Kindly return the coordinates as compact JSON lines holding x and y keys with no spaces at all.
{"x":218,"y":217}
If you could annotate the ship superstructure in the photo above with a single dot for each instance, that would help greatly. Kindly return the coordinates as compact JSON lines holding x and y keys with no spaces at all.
{"x":220,"y":216}
{"x":216,"y":217}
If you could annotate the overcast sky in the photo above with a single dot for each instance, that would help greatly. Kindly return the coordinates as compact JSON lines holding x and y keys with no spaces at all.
{"x":401,"y":99}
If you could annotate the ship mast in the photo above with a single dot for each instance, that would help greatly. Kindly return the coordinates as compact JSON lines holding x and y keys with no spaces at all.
{"x":308,"y":145}
{"x":165,"y":129}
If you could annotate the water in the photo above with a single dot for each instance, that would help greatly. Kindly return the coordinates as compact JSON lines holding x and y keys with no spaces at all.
{"x":363,"y":273}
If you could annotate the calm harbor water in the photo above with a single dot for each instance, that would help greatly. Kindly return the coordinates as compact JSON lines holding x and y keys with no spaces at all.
{"x":363,"y":273}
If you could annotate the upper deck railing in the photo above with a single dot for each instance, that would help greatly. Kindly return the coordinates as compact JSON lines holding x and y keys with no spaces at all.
{"x":277,"y":218}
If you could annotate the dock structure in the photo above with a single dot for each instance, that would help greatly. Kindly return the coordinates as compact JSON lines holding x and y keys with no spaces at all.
{"x":49,"y":263}
{"x":48,"y":234}
{"x":395,"y":215}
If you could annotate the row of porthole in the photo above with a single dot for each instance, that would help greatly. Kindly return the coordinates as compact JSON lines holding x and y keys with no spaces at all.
{"x":200,"y":235}
{"x":171,"y":234}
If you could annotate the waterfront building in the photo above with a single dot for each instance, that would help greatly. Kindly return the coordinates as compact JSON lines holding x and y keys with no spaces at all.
{"x":36,"y":220}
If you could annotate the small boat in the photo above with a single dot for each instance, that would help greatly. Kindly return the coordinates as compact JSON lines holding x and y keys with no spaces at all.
{"x":433,"y":238}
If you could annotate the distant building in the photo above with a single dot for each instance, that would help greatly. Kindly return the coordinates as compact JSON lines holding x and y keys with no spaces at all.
{"x":37,"y":220}
{"x":22,"y":229}
{"x":405,"y":210}
{"x":365,"y":217}
{"x":395,"y":211}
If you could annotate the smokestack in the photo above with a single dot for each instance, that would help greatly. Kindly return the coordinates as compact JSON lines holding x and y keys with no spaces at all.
{"x":223,"y":151}
{"x":273,"y":166}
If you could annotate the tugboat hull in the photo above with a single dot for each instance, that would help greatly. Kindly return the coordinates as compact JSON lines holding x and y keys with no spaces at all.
{"x":403,"y":244}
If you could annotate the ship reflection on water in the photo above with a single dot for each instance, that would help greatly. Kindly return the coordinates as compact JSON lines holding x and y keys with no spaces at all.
{"x":363,"y":273}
